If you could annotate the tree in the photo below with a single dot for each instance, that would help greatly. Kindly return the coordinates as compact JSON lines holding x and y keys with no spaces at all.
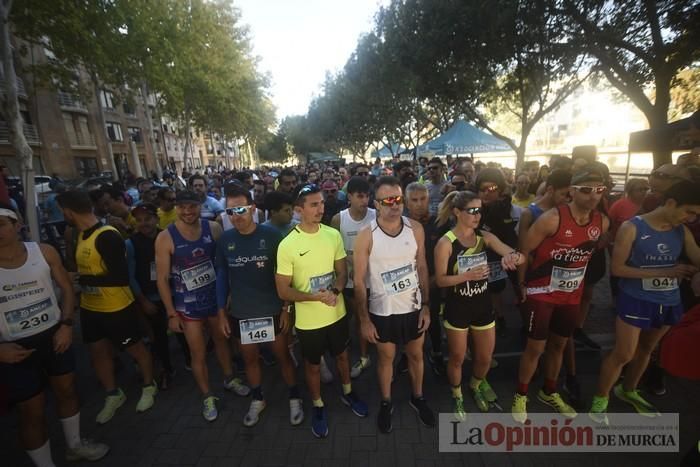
{"x":639,"y":46}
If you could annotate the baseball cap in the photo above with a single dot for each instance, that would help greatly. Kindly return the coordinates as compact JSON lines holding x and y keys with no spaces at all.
{"x":187,"y":196}
{"x":149,"y":208}
{"x":588,"y":173}
{"x":672,"y":170}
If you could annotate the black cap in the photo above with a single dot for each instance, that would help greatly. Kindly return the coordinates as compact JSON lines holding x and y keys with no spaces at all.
{"x":588,"y":173}
{"x":150,"y":208}
{"x":187,"y":196}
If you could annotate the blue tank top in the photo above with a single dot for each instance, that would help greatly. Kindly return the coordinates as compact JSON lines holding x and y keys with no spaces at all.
{"x":654,"y":249}
{"x":192,"y":274}
{"x":535,"y":210}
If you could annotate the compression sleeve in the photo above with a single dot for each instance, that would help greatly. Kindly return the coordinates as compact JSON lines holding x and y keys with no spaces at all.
{"x":131,"y":262}
{"x":110,"y":246}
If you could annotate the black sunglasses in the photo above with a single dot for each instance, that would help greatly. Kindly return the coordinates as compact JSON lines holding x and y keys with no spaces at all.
{"x":475,"y":211}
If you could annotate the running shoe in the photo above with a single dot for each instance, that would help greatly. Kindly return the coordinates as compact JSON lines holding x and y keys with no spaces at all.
{"x":112,"y":403}
{"x":148,"y":397}
{"x":296,"y":412}
{"x":87,"y":451}
{"x":555,"y":401}
{"x":326,"y":375}
{"x":319,"y":422}
{"x":635,"y":399}
{"x":519,"y":409}
{"x":237,"y":386}
{"x":459,"y":412}
{"x":487,"y":391}
{"x":361,"y":365}
{"x":358,"y":407}
{"x":425,"y":415}
{"x":209,"y":410}
{"x":599,"y":408}
{"x":386,"y":408}
{"x":481,"y":403}
{"x":253,"y":415}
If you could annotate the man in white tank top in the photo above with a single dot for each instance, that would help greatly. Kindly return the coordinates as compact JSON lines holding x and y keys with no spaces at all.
{"x":35,"y":340}
{"x":390,"y":255}
{"x":349,"y":222}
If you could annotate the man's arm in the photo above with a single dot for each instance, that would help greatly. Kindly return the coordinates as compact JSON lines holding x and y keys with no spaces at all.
{"x":110,"y":245}
{"x":335,"y":222}
{"x":216,"y":230}
{"x":164,"y":248}
{"x":360,"y":261}
{"x":288,"y":293}
{"x":60,"y":276}
{"x":691,"y":247}
{"x":523,"y":227}
{"x":421,"y":264}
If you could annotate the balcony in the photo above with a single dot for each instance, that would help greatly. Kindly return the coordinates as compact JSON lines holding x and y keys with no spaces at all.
{"x":71,"y":102}
{"x":21,"y":90}
{"x":30,"y":133}
{"x":81,"y":141}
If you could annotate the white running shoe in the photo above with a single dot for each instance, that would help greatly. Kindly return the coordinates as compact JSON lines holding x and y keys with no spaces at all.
{"x":253,"y":415}
{"x":296,"y":412}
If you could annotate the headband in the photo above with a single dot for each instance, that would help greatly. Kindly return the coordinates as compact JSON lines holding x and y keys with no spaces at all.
{"x":9,"y":213}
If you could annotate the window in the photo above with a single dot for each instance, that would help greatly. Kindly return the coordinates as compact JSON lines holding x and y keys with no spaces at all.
{"x":107,"y":99}
{"x":129,"y":109}
{"x":135,"y":134}
{"x":86,"y":166}
{"x":114,"y":131}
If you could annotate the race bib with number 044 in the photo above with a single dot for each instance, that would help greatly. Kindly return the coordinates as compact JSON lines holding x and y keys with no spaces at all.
{"x":257,"y":330}
{"x":198,"y":276}
{"x":400,"y":280}
{"x":660,"y":284}
{"x":496,"y":271}
{"x":566,"y":279}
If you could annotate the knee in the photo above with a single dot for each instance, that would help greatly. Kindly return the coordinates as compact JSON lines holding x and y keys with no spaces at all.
{"x":456,"y":359}
{"x":621,"y":356}
{"x":533,"y":351}
{"x":645,"y":348}
{"x":341,"y":357}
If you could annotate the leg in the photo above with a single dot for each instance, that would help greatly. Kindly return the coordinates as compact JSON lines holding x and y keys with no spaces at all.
{"x":102,"y":356}
{"x":279,"y":348}
{"x":414,"y":352}
{"x":313,"y":379}
{"x":144,"y":359}
{"x":342,"y":361}
{"x":194,"y":333}
{"x":626,"y":339}
{"x":648,"y":341}
{"x":457,"y":347}
{"x":385,"y":367}
{"x":221,"y":344}
{"x":553,"y":356}
{"x":32,"y":422}
{"x":159,"y":329}
{"x":67,"y":403}
{"x":529,"y":360}
{"x":251,"y":358}
{"x":484,"y":342}
{"x":570,"y":358}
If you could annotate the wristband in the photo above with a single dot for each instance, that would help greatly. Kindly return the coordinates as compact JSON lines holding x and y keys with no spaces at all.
{"x":172,"y":316}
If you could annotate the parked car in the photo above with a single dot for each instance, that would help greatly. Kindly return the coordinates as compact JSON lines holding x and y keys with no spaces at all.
{"x":41,"y":183}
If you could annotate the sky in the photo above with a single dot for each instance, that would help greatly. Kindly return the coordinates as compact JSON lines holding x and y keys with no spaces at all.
{"x":298,"y":41}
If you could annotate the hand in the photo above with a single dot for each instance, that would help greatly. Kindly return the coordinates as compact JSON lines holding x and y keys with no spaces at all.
{"x":285,"y":321}
{"x":63,"y":338}
{"x":175,"y":323}
{"x":681,"y":271}
{"x":148,"y":307}
{"x":224,"y":324}
{"x":13,"y":353}
{"x":523,"y":293}
{"x":447,"y":188}
{"x":326,"y":297}
{"x":511,"y":260}
{"x":369,"y":332}
{"x":476,"y":274}
{"x":424,"y":319}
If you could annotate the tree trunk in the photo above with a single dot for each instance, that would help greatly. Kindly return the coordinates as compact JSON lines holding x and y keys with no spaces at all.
{"x":188,"y":141}
{"x":15,"y":123}
{"x":663,"y":147}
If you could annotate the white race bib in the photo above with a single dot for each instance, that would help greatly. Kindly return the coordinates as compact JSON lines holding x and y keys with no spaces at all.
{"x":322,"y":282}
{"x":566,"y":279}
{"x":468,"y":262}
{"x":496,"y":271}
{"x":198,"y":276}
{"x":257,"y":330}
{"x":659,"y":284}
{"x":31,"y":319}
{"x":400,"y":280}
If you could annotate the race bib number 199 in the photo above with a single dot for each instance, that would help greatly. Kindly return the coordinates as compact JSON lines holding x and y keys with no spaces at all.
{"x":198,"y":276}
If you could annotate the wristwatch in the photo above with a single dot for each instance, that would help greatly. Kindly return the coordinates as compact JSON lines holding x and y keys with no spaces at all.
{"x":335,"y":290}
{"x":66,"y":322}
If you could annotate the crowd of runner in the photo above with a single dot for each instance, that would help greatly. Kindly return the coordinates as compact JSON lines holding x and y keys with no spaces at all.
{"x":267,"y":265}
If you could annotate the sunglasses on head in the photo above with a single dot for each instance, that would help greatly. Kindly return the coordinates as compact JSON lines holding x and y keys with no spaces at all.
{"x":587,"y":190}
{"x":238,"y":210}
{"x":307,"y":190}
{"x":391,"y":201}
{"x":489,"y":189}
{"x":474,"y":211}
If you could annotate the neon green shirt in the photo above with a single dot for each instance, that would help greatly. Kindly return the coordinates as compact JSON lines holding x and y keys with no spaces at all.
{"x":310,"y":260}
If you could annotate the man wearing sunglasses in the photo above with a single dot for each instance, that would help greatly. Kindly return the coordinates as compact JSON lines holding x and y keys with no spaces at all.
{"x":187,"y":285}
{"x":435,"y":183}
{"x":332,"y":204}
{"x":561,"y":243}
{"x":311,"y":272}
{"x":166,"y":210}
{"x":390,"y":256}
{"x":245,"y":289}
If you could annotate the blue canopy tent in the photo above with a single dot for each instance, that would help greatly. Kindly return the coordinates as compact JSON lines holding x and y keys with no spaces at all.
{"x":463,"y":138}
{"x":387,"y":152}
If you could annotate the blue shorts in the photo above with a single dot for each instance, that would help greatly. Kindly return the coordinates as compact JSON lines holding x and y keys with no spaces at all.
{"x":29,"y":377}
{"x":646,"y":315}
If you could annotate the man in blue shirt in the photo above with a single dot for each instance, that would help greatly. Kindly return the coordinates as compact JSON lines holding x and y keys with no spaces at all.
{"x":211,"y":208}
{"x":245,"y":286}
{"x":280,"y":208}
